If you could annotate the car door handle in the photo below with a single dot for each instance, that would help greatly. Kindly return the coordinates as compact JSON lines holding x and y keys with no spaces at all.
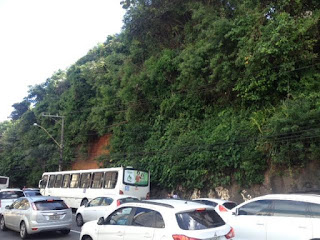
{"x":303,"y":227}
{"x":120,"y":233}
{"x":147,"y":236}
{"x":260,"y":224}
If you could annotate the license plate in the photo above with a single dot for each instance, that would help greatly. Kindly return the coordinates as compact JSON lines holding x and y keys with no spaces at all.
{"x":54,"y":217}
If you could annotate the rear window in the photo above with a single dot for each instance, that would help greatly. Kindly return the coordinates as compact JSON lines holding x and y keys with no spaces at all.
{"x":50,"y":205}
{"x":229,"y":205}
{"x":199,"y":219}
{"x":11,"y":194}
{"x":32,"y":193}
{"x":129,"y":199}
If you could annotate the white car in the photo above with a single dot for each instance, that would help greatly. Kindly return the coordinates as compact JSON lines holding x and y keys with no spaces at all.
{"x":221,"y":206}
{"x":277,"y":217}
{"x":166,"y":219}
{"x":8,"y":196}
{"x":100,"y":207}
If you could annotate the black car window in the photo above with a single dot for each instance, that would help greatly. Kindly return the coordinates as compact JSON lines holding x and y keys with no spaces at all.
{"x":32,"y":193}
{"x":11,"y":194}
{"x":106,"y":201}
{"x":229,"y":205}
{"x":287,"y":208}
{"x":314,"y":210}
{"x":50,"y":205}
{"x":199,"y":219}
{"x":121,"y":216}
{"x":16,"y":204}
{"x":259,"y":207}
{"x":128,"y":199}
{"x":159,"y":222}
{"x":24,"y":204}
{"x":94,"y":202}
{"x":144,"y":217}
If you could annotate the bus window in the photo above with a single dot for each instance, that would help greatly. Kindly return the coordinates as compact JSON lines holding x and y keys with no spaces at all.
{"x":85,"y":180}
{"x":97,"y":180}
{"x":51,"y":181}
{"x":74,"y":183}
{"x":110,"y":180}
{"x":66,"y":181}
{"x":58,"y":181}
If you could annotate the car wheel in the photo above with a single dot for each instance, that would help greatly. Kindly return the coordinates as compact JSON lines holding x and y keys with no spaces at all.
{"x":86,"y":238}
{"x":84,"y":202}
{"x":23,"y":231}
{"x":79,"y":220}
{"x":2,"y":224}
{"x":65,"y":231}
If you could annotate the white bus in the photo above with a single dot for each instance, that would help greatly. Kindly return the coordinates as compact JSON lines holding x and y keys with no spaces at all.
{"x":4,"y":182}
{"x":77,"y":187}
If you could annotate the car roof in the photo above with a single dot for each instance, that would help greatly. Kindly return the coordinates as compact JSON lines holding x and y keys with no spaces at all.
{"x":117,"y":196}
{"x":10,"y":190}
{"x":216,"y":200}
{"x":41,"y":198}
{"x":176,"y":205}
{"x":298,"y":197}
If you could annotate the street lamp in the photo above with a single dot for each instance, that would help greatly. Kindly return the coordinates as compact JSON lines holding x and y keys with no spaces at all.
{"x":60,"y":145}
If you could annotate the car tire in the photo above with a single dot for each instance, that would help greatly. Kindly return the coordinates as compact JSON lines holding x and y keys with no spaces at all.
{"x":79,"y":220}
{"x":65,"y":231}
{"x":84,"y":202}
{"x":23,"y":231}
{"x":2,"y":224}
{"x":86,"y":238}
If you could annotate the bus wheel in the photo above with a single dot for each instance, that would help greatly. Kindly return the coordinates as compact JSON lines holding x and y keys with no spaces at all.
{"x":84,"y":202}
{"x":79,"y":220}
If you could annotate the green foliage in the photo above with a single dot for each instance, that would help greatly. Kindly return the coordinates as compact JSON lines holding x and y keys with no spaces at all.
{"x":200,"y":92}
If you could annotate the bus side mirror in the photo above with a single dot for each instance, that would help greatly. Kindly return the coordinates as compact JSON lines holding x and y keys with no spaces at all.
{"x":101,"y":221}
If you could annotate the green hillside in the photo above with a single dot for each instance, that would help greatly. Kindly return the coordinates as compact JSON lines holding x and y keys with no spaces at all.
{"x":199,"y":92}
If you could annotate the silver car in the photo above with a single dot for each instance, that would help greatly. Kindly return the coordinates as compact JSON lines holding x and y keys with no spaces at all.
{"x":29,"y":215}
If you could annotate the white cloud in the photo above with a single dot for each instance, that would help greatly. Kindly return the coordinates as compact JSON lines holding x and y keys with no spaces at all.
{"x":39,"y":37}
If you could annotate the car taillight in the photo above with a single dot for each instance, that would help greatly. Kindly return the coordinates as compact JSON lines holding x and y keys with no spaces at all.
{"x":118,"y":202}
{"x":222,"y":209}
{"x":34,"y":207}
{"x":183,"y":237}
{"x":230,"y":234}
{"x":120,"y":192}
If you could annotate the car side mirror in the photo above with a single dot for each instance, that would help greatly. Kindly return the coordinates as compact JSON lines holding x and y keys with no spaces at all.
{"x":7,"y":207}
{"x":101,"y":221}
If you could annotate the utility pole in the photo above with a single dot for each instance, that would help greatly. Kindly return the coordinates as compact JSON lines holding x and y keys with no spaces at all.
{"x":61,"y":146}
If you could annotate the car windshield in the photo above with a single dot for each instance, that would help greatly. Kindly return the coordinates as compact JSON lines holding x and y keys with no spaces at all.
{"x":128,"y":199}
{"x":11,"y":194}
{"x":229,"y":205}
{"x":32,"y":193}
{"x":50,"y":205}
{"x":199,"y":219}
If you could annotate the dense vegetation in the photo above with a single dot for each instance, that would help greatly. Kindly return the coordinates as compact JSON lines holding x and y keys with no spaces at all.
{"x":199,"y":92}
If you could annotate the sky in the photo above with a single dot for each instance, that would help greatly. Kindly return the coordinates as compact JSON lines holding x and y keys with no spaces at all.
{"x":39,"y":37}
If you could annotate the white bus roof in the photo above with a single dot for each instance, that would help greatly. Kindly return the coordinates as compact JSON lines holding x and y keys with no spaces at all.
{"x":87,"y":170}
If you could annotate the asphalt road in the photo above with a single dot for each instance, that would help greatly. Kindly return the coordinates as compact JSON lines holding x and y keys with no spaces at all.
{"x":73,"y":235}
